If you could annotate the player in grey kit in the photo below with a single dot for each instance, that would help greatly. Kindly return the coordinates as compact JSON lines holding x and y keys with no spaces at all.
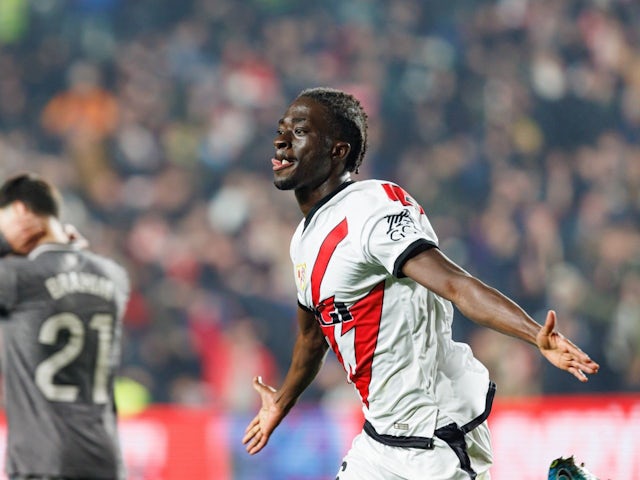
{"x":62,"y":307}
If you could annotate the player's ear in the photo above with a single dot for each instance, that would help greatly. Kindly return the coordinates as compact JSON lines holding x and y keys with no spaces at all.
{"x":340,"y":150}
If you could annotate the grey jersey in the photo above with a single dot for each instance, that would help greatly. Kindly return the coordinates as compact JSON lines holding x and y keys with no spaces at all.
{"x":63,"y":311}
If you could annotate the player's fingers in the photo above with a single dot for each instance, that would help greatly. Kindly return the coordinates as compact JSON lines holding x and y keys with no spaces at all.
{"x":580,"y":369}
{"x":252,"y":423}
{"x":550,"y":323}
{"x":588,"y":366}
{"x":581,"y":360}
{"x":573,"y":352}
{"x":250,"y":439}
{"x":581,"y":357}
{"x":251,"y":431}
{"x":249,"y":436}
{"x":544,"y":338}
{"x":75,"y":236}
{"x":265,"y":391}
{"x":579,"y":374}
{"x":257,"y":445}
{"x":258,"y":384}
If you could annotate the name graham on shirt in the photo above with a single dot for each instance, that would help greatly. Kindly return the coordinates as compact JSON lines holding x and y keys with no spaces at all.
{"x":80,"y":282}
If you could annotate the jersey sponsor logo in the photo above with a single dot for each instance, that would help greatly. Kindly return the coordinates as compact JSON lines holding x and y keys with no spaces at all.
{"x":400,"y":226}
{"x":329,"y":312}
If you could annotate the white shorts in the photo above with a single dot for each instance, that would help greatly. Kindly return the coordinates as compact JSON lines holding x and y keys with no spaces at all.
{"x":368,"y":459}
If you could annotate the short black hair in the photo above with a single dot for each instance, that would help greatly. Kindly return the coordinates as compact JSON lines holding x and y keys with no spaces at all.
{"x":349,"y":117}
{"x":36,"y":193}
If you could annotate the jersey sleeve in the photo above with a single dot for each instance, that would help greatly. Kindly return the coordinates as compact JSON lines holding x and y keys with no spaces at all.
{"x":395,"y":232}
{"x":123,"y":286}
{"x":8,"y":287}
{"x":5,"y":248}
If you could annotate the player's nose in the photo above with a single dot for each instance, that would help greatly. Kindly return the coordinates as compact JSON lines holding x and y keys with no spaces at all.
{"x":281,"y":143}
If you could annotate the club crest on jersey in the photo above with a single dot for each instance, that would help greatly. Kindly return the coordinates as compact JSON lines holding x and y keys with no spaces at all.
{"x":301,"y":275}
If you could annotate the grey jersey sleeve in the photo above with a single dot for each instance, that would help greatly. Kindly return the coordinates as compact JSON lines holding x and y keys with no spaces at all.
{"x":8,"y":290}
{"x":5,"y":248}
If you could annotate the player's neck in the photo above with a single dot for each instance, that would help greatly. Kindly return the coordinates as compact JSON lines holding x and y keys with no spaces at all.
{"x":308,"y":198}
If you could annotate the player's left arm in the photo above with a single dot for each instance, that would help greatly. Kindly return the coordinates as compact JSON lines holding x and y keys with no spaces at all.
{"x":488,"y":307}
{"x":307,"y":358}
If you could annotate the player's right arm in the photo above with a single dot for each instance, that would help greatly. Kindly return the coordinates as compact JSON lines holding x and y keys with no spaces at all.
{"x":309,"y":352}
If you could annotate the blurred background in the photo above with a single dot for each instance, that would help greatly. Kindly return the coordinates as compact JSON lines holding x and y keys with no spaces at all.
{"x":515,"y":123}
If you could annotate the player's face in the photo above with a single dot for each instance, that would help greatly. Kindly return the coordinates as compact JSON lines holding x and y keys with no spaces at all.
{"x":21,"y":228}
{"x":303,"y":147}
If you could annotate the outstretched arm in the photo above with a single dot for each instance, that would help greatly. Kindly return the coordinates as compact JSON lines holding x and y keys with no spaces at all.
{"x":488,"y":307}
{"x":308,"y":356}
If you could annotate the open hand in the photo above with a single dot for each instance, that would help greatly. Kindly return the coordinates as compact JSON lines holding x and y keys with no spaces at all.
{"x":561,"y":351}
{"x":264,"y":423}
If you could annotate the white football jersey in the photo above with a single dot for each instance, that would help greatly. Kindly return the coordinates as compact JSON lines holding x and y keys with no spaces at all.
{"x":392,"y":335}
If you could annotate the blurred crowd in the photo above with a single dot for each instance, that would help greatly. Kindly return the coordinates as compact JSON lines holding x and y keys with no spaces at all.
{"x":515,"y":123}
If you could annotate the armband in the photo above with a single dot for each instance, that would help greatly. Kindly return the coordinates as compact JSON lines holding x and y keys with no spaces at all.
{"x":5,"y":248}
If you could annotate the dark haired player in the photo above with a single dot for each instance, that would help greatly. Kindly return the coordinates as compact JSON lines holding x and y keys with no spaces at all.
{"x":375,"y":288}
{"x":62,"y":307}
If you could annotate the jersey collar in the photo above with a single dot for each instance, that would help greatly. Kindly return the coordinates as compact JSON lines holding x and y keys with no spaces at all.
{"x":324,"y":200}
{"x":51,"y":247}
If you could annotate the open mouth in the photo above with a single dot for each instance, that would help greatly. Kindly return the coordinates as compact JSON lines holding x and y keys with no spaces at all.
{"x":281,"y":164}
